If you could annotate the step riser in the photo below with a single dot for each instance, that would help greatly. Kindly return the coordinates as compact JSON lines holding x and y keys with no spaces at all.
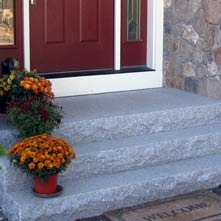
{"x":88,"y":205}
{"x":11,"y":207}
{"x":132,"y":157}
{"x":138,"y":124}
{"x":8,"y":137}
{"x":126,"y":158}
{"x":130,"y":125}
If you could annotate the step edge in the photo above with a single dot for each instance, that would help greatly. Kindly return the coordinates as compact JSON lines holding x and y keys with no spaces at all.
{"x":199,"y":179}
{"x":218,"y":105}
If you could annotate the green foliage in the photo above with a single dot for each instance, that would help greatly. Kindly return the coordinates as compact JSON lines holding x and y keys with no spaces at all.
{"x":34,"y":116}
{"x":3,"y":151}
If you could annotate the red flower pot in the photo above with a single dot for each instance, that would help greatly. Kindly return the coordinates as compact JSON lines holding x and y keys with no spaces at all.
{"x":47,"y":187}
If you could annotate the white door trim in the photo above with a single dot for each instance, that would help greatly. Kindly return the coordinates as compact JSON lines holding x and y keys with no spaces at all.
{"x":113,"y":82}
{"x":26,"y":38}
{"x":117,"y":34}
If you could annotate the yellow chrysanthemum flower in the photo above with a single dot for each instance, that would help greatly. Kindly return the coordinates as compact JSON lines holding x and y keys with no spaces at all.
{"x":40,"y":165}
{"x":31,"y":166}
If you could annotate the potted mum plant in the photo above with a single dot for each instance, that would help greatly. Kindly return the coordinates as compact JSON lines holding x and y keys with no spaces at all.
{"x":34,"y":116}
{"x":22,"y":85}
{"x":43,"y":157}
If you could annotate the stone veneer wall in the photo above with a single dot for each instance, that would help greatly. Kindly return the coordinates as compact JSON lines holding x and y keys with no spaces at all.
{"x":192,"y":46}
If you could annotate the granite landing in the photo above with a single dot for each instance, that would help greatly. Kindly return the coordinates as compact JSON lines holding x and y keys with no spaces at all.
{"x":95,"y":118}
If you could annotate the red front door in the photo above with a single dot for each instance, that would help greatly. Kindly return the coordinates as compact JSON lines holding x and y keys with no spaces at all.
{"x":71,"y":35}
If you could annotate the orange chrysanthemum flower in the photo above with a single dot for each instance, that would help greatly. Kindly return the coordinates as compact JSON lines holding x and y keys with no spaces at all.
{"x":35,"y":160}
{"x":31,"y":166}
{"x":42,"y":153}
{"x":40,"y":166}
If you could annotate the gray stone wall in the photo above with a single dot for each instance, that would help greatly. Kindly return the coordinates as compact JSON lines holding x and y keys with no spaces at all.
{"x":192,"y":46}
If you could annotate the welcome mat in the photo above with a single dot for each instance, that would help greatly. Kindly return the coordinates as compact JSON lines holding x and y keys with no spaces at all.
{"x":195,"y":207}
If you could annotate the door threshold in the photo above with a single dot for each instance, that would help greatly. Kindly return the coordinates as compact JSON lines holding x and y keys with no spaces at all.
{"x":82,"y":73}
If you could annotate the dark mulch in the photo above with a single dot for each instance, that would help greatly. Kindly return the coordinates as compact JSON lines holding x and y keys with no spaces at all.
{"x":98,"y":218}
{"x":217,"y":190}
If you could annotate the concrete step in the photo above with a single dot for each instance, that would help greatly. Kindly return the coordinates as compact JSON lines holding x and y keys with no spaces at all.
{"x":96,"y":118}
{"x":130,"y":153}
{"x":94,"y":196}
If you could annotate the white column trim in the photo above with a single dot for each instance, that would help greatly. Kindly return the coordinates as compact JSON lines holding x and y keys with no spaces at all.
{"x":26,"y":34}
{"x":117,"y":34}
{"x":151,"y":24}
{"x":158,"y":36}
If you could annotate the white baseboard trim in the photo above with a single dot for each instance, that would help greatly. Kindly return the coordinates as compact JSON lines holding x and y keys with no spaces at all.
{"x":106,"y":83}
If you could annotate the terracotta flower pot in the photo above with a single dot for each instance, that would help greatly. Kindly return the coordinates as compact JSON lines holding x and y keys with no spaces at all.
{"x":47,"y":187}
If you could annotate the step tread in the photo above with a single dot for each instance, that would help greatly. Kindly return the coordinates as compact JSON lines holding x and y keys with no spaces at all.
{"x":91,"y":107}
{"x":100,"y":129}
{"x":100,"y":117}
{"x":130,"y":102}
{"x":89,"y":148}
{"x":79,"y":193}
{"x":92,"y":184}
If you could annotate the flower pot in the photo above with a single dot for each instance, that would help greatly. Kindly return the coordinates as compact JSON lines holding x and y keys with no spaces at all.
{"x":47,"y":187}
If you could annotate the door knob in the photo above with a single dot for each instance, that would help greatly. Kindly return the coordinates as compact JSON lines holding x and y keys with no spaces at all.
{"x":33,"y":2}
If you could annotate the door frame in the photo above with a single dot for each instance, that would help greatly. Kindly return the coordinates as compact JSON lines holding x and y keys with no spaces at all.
{"x":113,"y":82}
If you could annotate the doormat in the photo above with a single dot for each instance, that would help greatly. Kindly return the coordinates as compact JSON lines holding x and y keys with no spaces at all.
{"x":194,"y":207}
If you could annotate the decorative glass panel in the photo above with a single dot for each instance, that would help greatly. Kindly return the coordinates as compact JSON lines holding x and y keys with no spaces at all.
{"x":7,"y":36}
{"x":133,"y":19}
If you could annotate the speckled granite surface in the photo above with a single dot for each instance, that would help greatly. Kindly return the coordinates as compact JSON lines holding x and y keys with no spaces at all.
{"x":100,"y":117}
{"x":2,"y":216}
{"x":132,"y":147}
{"x":96,"y":195}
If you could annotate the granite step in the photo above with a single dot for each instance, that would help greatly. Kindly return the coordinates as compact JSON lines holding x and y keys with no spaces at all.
{"x":93,"y":196}
{"x":129,"y":153}
{"x":123,"y":126}
{"x":95,"y":118}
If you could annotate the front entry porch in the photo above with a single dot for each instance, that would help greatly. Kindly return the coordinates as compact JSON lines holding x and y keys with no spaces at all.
{"x":64,"y":46}
{"x":132,"y":147}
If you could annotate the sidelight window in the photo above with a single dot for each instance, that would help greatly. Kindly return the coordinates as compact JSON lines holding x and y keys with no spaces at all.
{"x":133,"y":19}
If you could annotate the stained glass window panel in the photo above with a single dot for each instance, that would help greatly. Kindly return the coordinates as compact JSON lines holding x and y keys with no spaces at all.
{"x":133,"y":19}
{"x":7,"y":34}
